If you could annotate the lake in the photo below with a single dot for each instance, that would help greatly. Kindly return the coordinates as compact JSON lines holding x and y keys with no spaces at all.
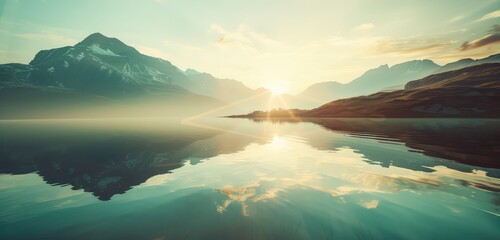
{"x":221,"y":178}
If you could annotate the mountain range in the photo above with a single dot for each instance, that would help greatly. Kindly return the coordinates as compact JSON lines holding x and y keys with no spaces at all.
{"x":468,"y":92}
{"x":102,"y":76}
{"x":372,"y":81}
{"x":385,"y":78}
{"x":471,"y":92}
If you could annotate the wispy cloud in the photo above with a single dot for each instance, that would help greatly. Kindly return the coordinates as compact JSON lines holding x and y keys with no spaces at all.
{"x":489,"y":40}
{"x":490,"y":15}
{"x":411,"y":46}
{"x":232,"y":38}
{"x":457,"y":18}
{"x":47,"y":36}
{"x":241,"y":37}
{"x":39,"y":33}
{"x":495,"y":29}
{"x":364,"y":26}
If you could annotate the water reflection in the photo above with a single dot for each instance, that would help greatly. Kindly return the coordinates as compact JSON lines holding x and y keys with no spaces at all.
{"x":470,"y":141}
{"x":105,"y":157}
{"x":238,"y":179}
{"x":108,"y":157}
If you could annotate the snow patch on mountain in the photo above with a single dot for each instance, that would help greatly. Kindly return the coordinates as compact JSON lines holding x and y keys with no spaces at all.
{"x":126,"y":69}
{"x":95,"y":48}
{"x":80,"y":56}
{"x":96,"y":59}
{"x":154,"y":73}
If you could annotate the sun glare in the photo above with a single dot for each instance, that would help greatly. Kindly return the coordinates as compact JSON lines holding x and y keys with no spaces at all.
{"x":278,"y":142}
{"x":277,"y":89}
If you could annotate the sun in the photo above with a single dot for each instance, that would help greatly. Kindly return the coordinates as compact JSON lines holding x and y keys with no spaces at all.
{"x":278,"y":142}
{"x":277,"y":89}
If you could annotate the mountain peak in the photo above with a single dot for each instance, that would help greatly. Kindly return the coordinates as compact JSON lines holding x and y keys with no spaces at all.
{"x":95,"y":38}
{"x":191,"y":71}
{"x":107,"y":43}
{"x":384,"y":66}
{"x":426,"y":62}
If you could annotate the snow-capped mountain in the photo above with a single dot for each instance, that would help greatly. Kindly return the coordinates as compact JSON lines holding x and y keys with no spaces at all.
{"x":100,"y":65}
{"x":99,"y":73}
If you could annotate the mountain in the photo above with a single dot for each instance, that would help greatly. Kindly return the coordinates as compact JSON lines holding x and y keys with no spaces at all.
{"x":224,"y":89}
{"x":371,"y":81}
{"x":120,"y":70}
{"x":472,"y":92}
{"x":75,"y":81}
{"x":101,"y":68}
{"x":468,"y":62}
{"x":480,"y":76}
{"x":98,"y":65}
{"x":468,"y":92}
{"x":102,"y":76}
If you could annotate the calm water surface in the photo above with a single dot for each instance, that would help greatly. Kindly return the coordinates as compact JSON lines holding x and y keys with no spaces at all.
{"x":249,"y":179}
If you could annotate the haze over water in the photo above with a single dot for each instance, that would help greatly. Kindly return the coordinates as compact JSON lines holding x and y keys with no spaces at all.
{"x":243,"y":179}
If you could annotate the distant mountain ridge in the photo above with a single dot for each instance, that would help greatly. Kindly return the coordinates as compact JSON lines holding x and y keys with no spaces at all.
{"x":472,"y":92}
{"x":468,"y":62}
{"x":373,"y":80}
{"x":224,"y":89}
{"x":468,"y":92}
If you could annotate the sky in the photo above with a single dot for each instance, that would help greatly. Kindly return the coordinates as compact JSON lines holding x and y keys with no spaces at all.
{"x":274,"y":43}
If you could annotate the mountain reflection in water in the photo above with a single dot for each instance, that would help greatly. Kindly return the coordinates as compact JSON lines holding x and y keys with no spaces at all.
{"x":249,"y":179}
{"x":105,"y":157}
{"x":108,"y":157}
{"x":470,"y":141}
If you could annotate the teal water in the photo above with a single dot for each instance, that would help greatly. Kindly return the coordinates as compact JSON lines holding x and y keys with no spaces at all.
{"x":249,"y":179}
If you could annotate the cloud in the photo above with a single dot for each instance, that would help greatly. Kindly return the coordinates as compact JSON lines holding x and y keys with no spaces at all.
{"x":487,"y":40}
{"x":241,"y":37}
{"x":492,"y":38}
{"x":457,"y":18}
{"x":216,"y":28}
{"x":411,"y":46}
{"x":47,"y":36}
{"x":490,"y":15}
{"x":234,"y":38}
{"x":364,"y":26}
{"x":39,"y":33}
{"x":494,"y":29}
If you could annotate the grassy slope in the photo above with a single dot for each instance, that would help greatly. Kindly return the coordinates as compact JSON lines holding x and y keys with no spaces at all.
{"x":468,"y":92}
